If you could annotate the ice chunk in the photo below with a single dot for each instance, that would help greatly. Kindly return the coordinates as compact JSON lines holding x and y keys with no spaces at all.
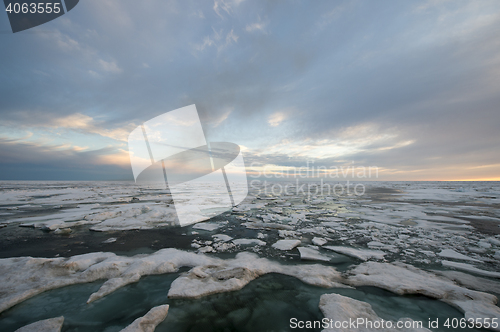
{"x":17,"y":281}
{"x":207,"y":226}
{"x":319,"y":241}
{"x":286,"y":244}
{"x":149,"y":321}
{"x":338,"y":308}
{"x":247,"y":242}
{"x":221,"y":237}
{"x":312,"y":254}
{"x":266,"y":225}
{"x":470,"y":268}
{"x":234,"y":274}
{"x":405,"y":279}
{"x":362,"y":254}
{"x":46,"y":325}
{"x":449,"y":253}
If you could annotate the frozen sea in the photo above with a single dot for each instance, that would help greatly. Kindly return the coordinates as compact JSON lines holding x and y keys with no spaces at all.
{"x":102,"y":254}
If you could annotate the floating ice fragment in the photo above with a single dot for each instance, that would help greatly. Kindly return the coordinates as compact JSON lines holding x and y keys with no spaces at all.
{"x":338,"y":308}
{"x":149,"y":321}
{"x":406,"y":279}
{"x":312,"y":254}
{"x":248,"y":242}
{"x":286,"y":244}
{"x":46,"y":325}
{"x":449,"y":253}
{"x":234,"y":274}
{"x":207,"y":226}
{"x":362,"y":254}
{"x":470,"y":268}
{"x":319,"y":241}
{"x":221,"y":237}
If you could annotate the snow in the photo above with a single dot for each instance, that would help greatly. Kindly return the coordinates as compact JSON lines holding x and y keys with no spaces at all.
{"x":362,"y":254}
{"x":286,"y":244}
{"x":149,"y":321}
{"x":46,"y":325}
{"x":338,"y":308}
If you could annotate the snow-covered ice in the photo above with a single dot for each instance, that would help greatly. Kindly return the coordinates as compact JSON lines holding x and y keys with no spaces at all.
{"x":46,"y":325}
{"x":149,"y":321}
{"x":340,"y":308}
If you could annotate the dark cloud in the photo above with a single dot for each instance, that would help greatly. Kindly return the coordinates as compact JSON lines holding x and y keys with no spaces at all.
{"x":22,"y":161}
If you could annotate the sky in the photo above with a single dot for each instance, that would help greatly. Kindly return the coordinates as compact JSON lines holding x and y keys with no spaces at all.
{"x":409,"y":87}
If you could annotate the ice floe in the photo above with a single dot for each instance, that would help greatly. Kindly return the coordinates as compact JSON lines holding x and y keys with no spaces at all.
{"x":470,"y":268}
{"x":46,"y":325}
{"x":207,"y":226}
{"x":450,"y":253}
{"x":362,"y":254}
{"x":248,"y":242}
{"x":149,"y":321}
{"x":319,"y":241}
{"x":406,"y":279}
{"x":234,"y":274}
{"x":286,"y":244}
{"x":312,"y":254}
{"x":338,"y":308}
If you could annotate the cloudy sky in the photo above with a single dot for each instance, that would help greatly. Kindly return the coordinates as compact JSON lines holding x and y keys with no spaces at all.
{"x":410,"y":87}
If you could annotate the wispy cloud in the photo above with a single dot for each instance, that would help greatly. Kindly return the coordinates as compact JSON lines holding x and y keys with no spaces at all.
{"x":226,"y":6}
{"x":257,"y":26}
{"x":110,"y":66}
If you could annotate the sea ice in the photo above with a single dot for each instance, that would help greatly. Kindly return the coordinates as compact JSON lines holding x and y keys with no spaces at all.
{"x":266,"y":225}
{"x":450,"y":253}
{"x":247,"y":242}
{"x":286,"y":244}
{"x":362,"y":254}
{"x":338,"y":308}
{"x":405,"y":279}
{"x":470,"y":268}
{"x":221,"y":237}
{"x":234,"y":274}
{"x":25,"y":277}
{"x":312,"y":254}
{"x":149,"y":321}
{"x":46,"y":325}
{"x":207,"y":226}
{"x":319,"y":241}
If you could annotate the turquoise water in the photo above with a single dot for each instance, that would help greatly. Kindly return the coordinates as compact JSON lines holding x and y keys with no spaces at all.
{"x":266,"y":304}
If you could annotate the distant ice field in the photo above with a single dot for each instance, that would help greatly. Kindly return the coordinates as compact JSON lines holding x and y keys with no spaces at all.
{"x":439,"y":239}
